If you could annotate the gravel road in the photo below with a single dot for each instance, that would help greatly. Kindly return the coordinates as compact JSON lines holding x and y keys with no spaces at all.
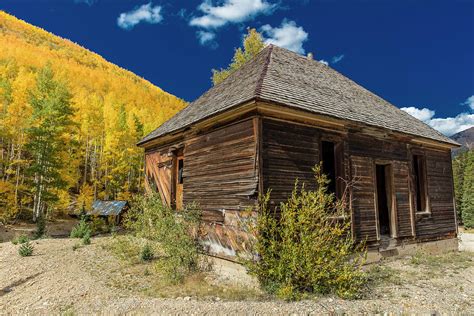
{"x":57,"y":280}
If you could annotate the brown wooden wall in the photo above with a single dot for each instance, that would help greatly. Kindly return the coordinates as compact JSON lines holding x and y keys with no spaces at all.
{"x":288,"y":152}
{"x":439,"y":174}
{"x":220,"y":170}
{"x":363,"y":202}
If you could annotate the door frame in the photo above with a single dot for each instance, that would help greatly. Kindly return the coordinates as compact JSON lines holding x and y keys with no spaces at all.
{"x":391,"y":197}
{"x":177,"y":189}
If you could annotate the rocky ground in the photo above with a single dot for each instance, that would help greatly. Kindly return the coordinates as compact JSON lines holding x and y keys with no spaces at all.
{"x":92,"y":280}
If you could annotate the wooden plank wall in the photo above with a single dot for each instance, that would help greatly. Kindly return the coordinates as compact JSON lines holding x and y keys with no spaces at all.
{"x":158,"y":170}
{"x":441,"y":221}
{"x":220,"y":170}
{"x":402,"y":196}
{"x":288,"y":152}
{"x":363,"y":202}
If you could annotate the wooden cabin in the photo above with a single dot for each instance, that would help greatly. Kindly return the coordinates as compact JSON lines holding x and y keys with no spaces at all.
{"x":272,"y":121}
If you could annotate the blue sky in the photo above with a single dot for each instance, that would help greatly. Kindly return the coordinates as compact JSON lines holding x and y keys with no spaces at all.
{"x":417,"y":54}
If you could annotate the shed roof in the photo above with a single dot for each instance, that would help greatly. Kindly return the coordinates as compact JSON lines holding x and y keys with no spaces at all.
{"x":287,"y":78}
{"x":107,"y":208}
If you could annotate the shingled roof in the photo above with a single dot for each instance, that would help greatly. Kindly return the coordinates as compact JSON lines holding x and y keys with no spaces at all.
{"x":279,"y":75}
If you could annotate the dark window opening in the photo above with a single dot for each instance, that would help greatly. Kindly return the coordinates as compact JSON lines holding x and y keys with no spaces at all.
{"x":180,"y":171}
{"x":383,"y":199}
{"x":419,"y":179}
{"x":329,"y":164}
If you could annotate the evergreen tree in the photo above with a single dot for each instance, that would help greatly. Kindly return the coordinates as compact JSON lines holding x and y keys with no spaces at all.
{"x":468,"y":192}
{"x":459,"y":165}
{"x":48,"y":138}
{"x":253,"y":44}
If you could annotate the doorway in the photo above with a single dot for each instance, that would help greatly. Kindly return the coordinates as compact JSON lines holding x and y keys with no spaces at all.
{"x":384,"y":199}
{"x":178,"y":181}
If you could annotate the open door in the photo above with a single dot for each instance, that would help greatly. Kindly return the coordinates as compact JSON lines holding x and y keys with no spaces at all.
{"x":384,"y":200}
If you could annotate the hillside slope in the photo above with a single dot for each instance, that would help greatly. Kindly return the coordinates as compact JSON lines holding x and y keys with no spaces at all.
{"x":465,"y":138}
{"x":113,"y":108}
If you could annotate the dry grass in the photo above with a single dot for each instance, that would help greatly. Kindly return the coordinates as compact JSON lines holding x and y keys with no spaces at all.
{"x":147,"y":278}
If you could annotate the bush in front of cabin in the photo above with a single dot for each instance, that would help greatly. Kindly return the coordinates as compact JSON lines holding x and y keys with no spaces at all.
{"x":176,"y":233}
{"x":81,"y":229}
{"x":307,"y":248}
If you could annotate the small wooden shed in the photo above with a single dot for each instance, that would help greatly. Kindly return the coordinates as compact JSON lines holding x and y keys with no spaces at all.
{"x":276,"y":117}
{"x":112,"y":211}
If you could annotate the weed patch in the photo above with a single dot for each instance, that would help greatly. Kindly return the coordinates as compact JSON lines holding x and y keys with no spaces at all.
{"x":26,"y":249}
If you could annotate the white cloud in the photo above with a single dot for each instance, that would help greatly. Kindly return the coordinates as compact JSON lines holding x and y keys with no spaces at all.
{"x":206,"y":37}
{"x":423,"y":114}
{"x":288,"y":35}
{"x":453,"y":125}
{"x":145,"y":13}
{"x":322,"y":61}
{"x":230,"y":11}
{"x":88,"y":2}
{"x":337,"y":59}
{"x":469,"y":102}
{"x":448,"y":125}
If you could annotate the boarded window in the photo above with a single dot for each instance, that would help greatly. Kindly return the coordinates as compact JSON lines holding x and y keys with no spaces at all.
{"x":419,"y":177}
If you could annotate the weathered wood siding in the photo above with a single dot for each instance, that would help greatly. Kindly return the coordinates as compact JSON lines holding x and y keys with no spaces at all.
{"x":220,"y":170}
{"x":439,"y":175}
{"x":158,"y":172}
{"x":363,"y":198}
{"x":402,"y":196}
{"x":289,"y":151}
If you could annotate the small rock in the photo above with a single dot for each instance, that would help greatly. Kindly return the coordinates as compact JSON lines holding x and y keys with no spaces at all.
{"x":187,"y":298}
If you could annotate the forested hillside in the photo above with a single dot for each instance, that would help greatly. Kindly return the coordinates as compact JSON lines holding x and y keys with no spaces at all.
{"x":69,"y":121}
{"x":463,"y":171}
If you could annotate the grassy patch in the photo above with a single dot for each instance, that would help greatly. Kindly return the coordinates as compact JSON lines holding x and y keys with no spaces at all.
{"x":149,"y":279}
{"x":380,"y":275}
{"x":451,"y":260}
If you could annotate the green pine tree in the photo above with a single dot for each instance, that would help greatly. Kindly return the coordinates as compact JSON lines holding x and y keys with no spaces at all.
{"x":253,"y":44}
{"x":459,"y":165}
{"x":48,"y":138}
{"x":468,"y":192}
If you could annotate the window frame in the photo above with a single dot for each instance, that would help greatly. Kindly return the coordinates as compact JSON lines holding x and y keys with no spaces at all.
{"x":339,"y":175}
{"x":420,"y":184}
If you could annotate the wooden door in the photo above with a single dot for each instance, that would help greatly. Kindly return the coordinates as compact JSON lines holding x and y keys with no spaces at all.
{"x":179,"y":182}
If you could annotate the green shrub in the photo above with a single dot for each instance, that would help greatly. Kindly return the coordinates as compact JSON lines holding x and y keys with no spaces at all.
{"x":99,"y":225}
{"x":26,"y":249}
{"x":86,"y":239}
{"x":20,"y":239}
{"x":308,"y":248}
{"x":40,"y":227}
{"x":176,"y":232}
{"x":81,"y":229}
{"x":147,"y":254}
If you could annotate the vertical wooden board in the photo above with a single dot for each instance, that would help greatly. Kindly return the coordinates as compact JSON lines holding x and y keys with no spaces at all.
{"x":402,"y":198}
{"x":363,"y":198}
{"x":158,"y":168}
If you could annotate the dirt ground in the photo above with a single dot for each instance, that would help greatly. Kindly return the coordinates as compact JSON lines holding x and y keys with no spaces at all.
{"x":92,"y":280}
{"x":58,"y":228}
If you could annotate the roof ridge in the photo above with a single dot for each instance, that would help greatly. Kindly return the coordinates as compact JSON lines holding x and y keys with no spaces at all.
{"x":258,"y":86}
